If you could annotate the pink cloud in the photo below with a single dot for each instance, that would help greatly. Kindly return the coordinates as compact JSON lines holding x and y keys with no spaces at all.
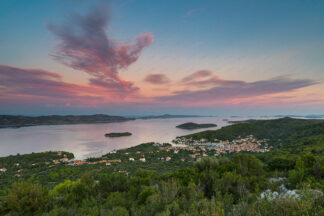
{"x":157,"y":79}
{"x":83,"y":44}
{"x":40,"y":86}
{"x":221,"y":91}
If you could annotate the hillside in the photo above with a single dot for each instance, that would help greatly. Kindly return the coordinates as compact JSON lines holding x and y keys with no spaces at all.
{"x":278,"y":131}
{"x":152,"y":179}
{"x":161,"y":179}
{"x":22,"y":121}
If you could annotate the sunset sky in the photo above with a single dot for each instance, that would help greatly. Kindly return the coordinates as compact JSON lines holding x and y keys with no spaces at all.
{"x":138,"y":57}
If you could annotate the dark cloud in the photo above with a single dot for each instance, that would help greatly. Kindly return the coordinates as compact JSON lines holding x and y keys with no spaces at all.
{"x":197,"y":75}
{"x":228,"y":89}
{"x":206,"y":78}
{"x":157,"y":79}
{"x":84,"y":45}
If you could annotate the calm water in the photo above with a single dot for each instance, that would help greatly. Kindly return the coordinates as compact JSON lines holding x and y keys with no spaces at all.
{"x":88,"y":140}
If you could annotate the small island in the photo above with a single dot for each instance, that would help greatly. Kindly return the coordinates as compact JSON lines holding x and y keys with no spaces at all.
{"x":118,"y":134}
{"x":191,"y":126}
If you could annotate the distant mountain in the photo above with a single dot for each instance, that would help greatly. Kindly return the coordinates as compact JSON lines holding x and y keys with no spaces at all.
{"x":313,"y":116}
{"x":22,"y":121}
{"x":165,"y":116}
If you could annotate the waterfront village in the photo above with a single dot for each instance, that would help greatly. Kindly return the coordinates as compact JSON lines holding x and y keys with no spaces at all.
{"x":182,"y":150}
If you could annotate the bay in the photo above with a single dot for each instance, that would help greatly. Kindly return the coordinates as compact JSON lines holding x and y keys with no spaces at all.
{"x":88,"y":140}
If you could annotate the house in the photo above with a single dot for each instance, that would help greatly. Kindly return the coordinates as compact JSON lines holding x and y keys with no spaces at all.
{"x":168,"y":158}
{"x":192,"y":155}
{"x":108,"y":164}
{"x":56,"y":161}
{"x":131,"y":159}
{"x":176,"y":151}
{"x":182,"y":159}
{"x":16,"y":164}
{"x":142,"y":159}
{"x":156,"y":144}
{"x":64,"y":159}
{"x":3,"y":169}
{"x":17,"y":175}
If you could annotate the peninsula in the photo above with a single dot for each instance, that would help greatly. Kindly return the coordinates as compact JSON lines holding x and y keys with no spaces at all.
{"x":23,"y":121}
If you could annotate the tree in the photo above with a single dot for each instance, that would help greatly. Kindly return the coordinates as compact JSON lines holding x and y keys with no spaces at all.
{"x":26,"y":198}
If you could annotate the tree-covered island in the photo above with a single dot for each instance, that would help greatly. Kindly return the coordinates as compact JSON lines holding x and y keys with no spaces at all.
{"x":192,"y":125}
{"x":114,"y":134}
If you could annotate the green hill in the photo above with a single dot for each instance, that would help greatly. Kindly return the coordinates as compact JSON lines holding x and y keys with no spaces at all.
{"x":278,"y":131}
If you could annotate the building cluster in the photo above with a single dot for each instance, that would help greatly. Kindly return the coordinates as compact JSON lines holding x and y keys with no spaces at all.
{"x":247,"y":144}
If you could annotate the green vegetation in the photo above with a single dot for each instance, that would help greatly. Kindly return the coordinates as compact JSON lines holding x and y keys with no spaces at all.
{"x":191,"y":126}
{"x":22,"y":121}
{"x":279,"y":131}
{"x":118,"y":134}
{"x":288,"y":180}
{"x":212,"y":186}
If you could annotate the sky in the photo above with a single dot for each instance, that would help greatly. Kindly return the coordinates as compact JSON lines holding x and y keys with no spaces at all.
{"x":143,"y":57}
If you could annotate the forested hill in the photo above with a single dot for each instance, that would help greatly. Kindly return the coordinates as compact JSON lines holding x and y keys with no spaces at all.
{"x":21,"y":121}
{"x":279,"y":131}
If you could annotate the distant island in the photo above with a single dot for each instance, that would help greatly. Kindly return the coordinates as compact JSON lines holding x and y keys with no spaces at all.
{"x":191,"y":126}
{"x":166,"y":116}
{"x":118,"y":134}
{"x":23,"y":121}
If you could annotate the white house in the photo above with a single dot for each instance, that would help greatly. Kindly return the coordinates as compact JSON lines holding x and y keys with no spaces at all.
{"x":142,"y":159}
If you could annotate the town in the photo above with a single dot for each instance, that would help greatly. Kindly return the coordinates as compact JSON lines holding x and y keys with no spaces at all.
{"x":246,"y":144}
